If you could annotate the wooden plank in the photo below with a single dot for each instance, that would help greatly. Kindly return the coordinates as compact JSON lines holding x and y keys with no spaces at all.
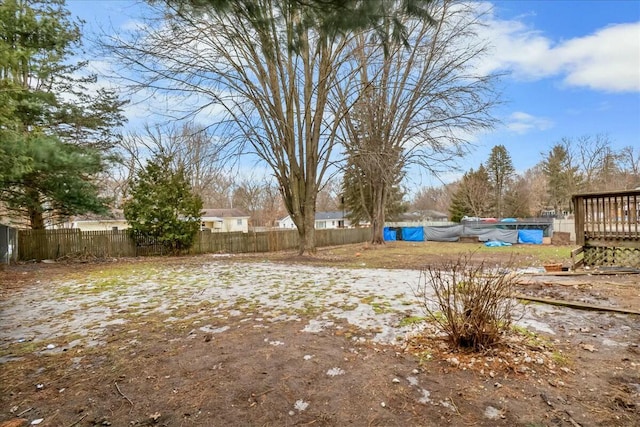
{"x":577,"y":305}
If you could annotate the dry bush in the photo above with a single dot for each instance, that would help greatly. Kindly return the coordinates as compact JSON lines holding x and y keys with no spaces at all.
{"x":471,"y":303}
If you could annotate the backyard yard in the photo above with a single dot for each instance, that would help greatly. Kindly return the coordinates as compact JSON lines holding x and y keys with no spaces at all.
{"x":335,"y":339}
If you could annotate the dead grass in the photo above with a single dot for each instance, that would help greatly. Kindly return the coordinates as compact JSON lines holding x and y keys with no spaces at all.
{"x":417,"y":255}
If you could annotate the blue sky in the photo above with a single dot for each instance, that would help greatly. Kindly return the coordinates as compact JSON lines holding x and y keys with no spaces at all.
{"x":574,"y":70}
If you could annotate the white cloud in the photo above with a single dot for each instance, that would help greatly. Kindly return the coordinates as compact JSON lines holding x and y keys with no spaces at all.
{"x":521,"y":123}
{"x":606,"y":60}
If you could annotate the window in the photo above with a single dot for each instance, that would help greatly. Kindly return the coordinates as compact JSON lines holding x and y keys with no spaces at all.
{"x":239,"y":222}
{"x":321,"y":224}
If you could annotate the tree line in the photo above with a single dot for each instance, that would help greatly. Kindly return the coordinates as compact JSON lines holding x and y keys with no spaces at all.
{"x":570,"y":166}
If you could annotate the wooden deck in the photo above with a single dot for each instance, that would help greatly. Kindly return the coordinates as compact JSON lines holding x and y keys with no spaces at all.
{"x":608,"y":228}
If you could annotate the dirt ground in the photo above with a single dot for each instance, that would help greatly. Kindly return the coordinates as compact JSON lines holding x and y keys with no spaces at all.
{"x":281,"y":340}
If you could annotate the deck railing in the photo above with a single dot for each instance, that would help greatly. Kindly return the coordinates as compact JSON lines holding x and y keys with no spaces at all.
{"x":608,"y":227}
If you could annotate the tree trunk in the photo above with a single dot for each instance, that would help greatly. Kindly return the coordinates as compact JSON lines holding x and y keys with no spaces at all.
{"x":36,"y":218}
{"x":377,"y":217}
{"x":307,"y":239}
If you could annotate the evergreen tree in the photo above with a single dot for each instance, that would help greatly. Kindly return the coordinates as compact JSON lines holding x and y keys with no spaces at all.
{"x":333,"y":17}
{"x":500,"y":171}
{"x":163,"y":206}
{"x":53,"y":129}
{"x":358,"y":195}
{"x":563,"y":178}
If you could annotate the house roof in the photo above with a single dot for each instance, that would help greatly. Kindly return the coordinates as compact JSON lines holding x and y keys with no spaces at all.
{"x":223,"y":213}
{"x":324,"y":216}
{"x":113,"y":215}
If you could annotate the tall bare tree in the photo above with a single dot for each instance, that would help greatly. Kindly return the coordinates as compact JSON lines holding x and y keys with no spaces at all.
{"x":433,"y":199}
{"x":260,"y":199}
{"x":415,"y":102}
{"x":630,"y":164}
{"x":472,"y":195}
{"x":262,"y":72}
{"x":191,"y":148}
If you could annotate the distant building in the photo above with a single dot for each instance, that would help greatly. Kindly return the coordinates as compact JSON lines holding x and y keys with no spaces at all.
{"x":324,"y":220}
{"x":92,"y":222}
{"x":215,"y":220}
{"x":225,"y":220}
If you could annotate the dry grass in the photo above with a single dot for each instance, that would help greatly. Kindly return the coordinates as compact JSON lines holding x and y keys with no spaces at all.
{"x":417,"y":255}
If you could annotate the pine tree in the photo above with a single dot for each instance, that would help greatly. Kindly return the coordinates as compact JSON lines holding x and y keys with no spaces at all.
{"x":358,"y":196}
{"x":53,"y":129}
{"x":563,"y":178}
{"x":500,"y":171}
{"x":163,"y":206}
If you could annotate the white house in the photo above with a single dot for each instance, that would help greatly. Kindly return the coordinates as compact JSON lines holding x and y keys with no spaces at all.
{"x":225,"y":220}
{"x":324,"y":220}
{"x":91,"y":222}
{"x":216,"y":220}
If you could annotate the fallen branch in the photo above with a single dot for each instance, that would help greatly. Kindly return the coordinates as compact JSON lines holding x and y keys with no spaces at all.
{"x":578,"y":305}
{"x":24,"y":412}
{"x":122,"y":394}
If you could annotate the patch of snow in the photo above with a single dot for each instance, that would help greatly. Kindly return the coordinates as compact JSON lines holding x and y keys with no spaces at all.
{"x":316,"y":326}
{"x":335,"y":372}
{"x":447,"y":404}
{"x":301,"y":405}
{"x":492,"y":413}
{"x":276,"y":343}
{"x":208,"y":329}
{"x":532,"y":323}
{"x":308,"y":356}
{"x":413,"y":381}
{"x":426,"y":396}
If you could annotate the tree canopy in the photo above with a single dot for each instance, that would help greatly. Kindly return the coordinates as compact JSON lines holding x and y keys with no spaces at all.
{"x":53,"y":128}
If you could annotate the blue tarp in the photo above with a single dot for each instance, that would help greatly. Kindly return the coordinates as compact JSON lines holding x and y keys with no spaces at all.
{"x":530,"y":236}
{"x":389,"y":234}
{"x":413,"y":234}
{"x":496,"y":244}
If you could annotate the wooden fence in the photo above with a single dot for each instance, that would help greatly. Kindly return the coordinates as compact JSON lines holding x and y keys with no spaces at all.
{"x":56,"y":244}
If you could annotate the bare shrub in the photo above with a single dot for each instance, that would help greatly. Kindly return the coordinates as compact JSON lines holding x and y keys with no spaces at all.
{"x":471,"y":303}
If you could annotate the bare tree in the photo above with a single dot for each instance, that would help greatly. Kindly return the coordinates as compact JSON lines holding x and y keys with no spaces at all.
{"x":329,"y":197}
{"x":472,"y":195}
{"x":596,"y":160}
{"x":433,"y":199}
{"x":190,"y":147}
{"x":415,"y":103}
{"x":262,"y":73}
{"x":260,"y":199}
{"x":630,"y":164}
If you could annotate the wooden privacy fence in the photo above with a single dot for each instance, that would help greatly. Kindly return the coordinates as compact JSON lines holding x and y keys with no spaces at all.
{"x":608,"y":228}
{"x":55,"y":244}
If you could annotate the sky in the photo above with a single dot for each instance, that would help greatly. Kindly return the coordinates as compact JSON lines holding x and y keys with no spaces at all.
{"x":573,"y":70}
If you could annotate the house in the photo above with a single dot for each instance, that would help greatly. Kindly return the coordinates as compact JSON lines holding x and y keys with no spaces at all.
{"x":216,"y":220}
{"x":91,"y":222}
{"x":225,"y":220}
{"x":324,"y":220}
